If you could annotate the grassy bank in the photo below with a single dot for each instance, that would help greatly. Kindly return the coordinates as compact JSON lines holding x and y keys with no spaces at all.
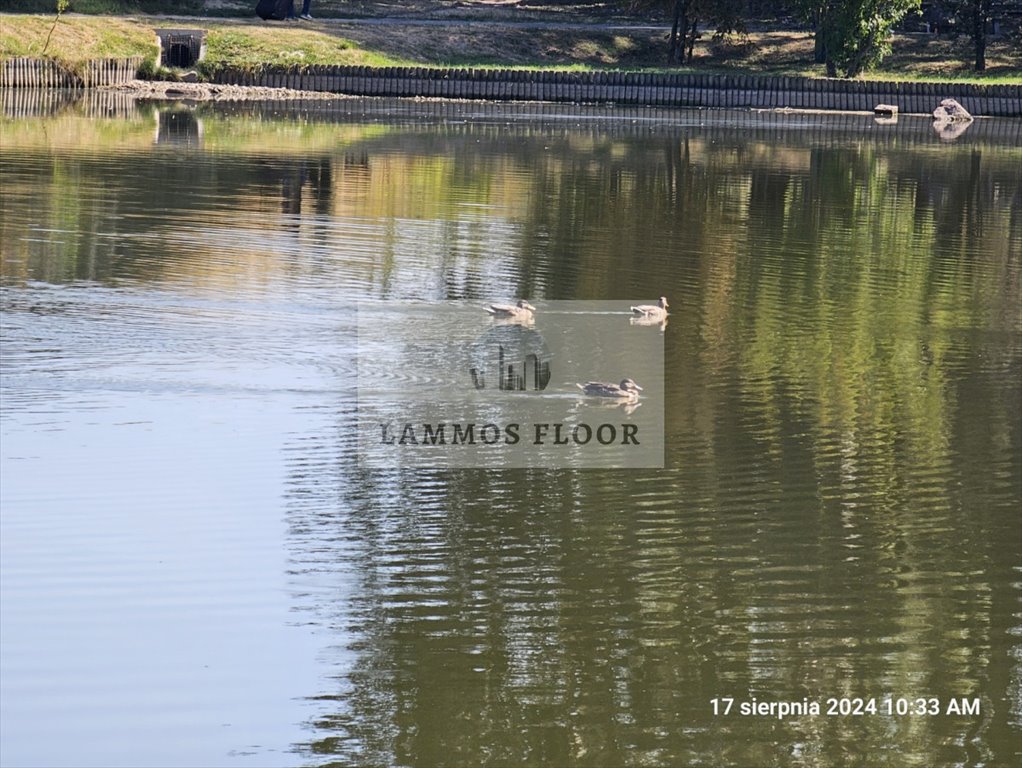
{"x":249,"y":42}
{"x":243,"y":43}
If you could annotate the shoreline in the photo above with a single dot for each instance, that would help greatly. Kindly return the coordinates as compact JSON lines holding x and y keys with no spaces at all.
{"x":624,"y":88}
{"x":164,"y":90}
{"x":618,"y":88}
{"x":175,"y":92}
{"x":768,"y":93}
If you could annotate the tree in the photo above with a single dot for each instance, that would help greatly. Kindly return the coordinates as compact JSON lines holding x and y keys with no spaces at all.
{"x":683,"y":31}
{"x":974,"y":16}
{"x":62,"y":5}
{"x":853,"y":35}
{"x":979,"y":17}
{"x":686,"y":16}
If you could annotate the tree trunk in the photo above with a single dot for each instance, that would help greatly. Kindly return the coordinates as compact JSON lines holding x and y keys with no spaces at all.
{"x":676,"y":47}
{"x":680,"y":36}
{"x":692,"y":37}
{"x":819,"y":42}
{"x":979,"y":34}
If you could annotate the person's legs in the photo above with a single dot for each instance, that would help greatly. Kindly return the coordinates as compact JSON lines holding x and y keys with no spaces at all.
{"x":291,"y":10}
{"x":306,"y":4}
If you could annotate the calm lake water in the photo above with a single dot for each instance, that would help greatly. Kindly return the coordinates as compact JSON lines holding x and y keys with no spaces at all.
{"x":197,"y":571}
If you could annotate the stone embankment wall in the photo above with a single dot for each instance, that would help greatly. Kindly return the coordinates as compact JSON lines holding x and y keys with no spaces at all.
{"x":45,"y":73}
{"x":624,"y":88}
{"x":633,"y":88}
{"x":495,"y":120}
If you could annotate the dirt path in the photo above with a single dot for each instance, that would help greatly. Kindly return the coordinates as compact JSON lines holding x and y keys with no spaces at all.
{"x":587,"y":26}
{"x":457,"y":10}
{"x":415,"y":21}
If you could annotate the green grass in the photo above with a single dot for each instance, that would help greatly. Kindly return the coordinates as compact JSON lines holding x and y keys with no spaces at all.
{"x":1003,"y":76}
{"x":248,"y":45}
{"x":261,"y":45}
{"x":75,"y":39}
{"x":251,"y":43}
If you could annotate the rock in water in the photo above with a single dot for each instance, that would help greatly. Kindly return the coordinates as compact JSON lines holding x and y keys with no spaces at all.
{"x":951,"y":111}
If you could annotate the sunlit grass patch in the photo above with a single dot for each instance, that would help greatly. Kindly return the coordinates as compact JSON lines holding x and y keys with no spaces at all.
{"x":75,"y":38}
{"x":255,"y":45}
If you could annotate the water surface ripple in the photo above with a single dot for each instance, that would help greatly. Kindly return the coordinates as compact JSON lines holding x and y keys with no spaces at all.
{"x":196,"y":570}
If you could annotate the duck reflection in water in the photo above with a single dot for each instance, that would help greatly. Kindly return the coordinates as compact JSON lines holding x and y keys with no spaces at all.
{"x":621,"y":405}
{"x":660,"y":322}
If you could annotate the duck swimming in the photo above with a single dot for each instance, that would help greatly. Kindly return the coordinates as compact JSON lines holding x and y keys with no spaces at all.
{"x":626,"y":390}
{"x":652,"y":311}
{"x":521,"y":311}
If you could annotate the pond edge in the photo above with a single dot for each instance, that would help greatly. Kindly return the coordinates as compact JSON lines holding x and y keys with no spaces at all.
{"x":631,"y":88}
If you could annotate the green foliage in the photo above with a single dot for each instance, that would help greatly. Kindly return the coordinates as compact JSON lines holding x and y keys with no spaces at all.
{"x":853,"y":36}
{"x":151,"y":69}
